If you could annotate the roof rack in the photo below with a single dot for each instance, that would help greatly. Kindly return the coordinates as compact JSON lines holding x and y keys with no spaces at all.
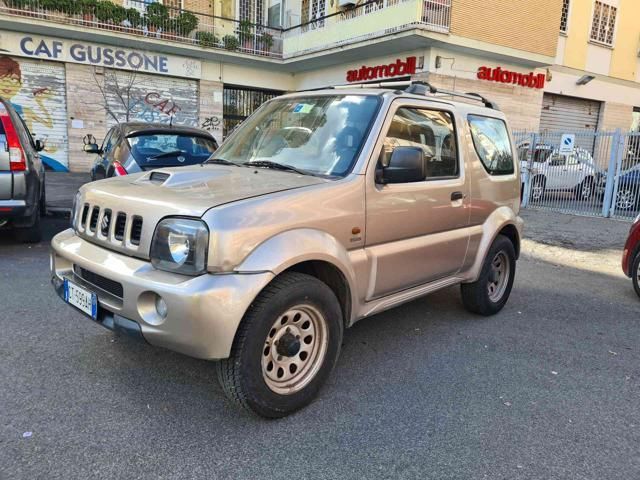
{"x":423,"y":88}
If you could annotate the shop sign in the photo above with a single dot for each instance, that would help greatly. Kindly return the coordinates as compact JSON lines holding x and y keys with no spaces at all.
{"x":395,"y":69}
{"x":528,"y":80}
{"x":47,"y":48}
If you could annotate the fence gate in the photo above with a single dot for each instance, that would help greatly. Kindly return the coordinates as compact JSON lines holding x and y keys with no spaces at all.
{"x":581,"y":172}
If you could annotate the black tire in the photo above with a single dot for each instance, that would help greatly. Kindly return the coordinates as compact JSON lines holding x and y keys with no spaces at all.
{"x":635,"y":273}
{"x":43,"y":201}
{"x":585,"y":190}
{"x":475,"y":296}
{"x":32,"y":233}
{"x":241,"y":375}
{"x":537,"y":183}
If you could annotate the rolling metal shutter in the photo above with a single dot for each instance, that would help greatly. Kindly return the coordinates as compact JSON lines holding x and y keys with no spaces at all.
{"x":151,"y":98}
{"x":39,"y":96}
{"x":570,"y":115}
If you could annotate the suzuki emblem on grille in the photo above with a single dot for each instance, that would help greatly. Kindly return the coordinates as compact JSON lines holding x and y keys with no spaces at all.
{"x":104,"y":225}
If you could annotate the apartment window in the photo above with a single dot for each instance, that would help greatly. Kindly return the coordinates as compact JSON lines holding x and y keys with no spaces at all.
{"x":635,"y":120}
{"x":251,"y":11}
{"x":564,"y":16}
{"x":604,"y":23}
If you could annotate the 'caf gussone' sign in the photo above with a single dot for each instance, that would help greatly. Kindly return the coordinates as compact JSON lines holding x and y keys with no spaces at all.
{"x":395,"y":69}
{"x":530,"y":80}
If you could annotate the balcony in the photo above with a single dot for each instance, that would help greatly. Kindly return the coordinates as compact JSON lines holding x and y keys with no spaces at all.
{"x":367,"y":21}
{"x":153,"y":21}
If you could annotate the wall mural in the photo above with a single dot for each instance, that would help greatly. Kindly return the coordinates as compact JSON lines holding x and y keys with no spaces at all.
{"x":37,"y":92}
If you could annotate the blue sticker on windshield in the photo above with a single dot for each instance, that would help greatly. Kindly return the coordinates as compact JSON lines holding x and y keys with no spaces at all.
{"x":302,"y":108}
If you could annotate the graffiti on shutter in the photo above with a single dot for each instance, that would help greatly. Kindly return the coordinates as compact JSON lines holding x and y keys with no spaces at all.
{"x":37,"y":92}
{"x":132,"y":96}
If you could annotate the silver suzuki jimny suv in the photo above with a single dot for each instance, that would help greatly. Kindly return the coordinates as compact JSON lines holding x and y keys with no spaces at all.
{"x":321,"y":209}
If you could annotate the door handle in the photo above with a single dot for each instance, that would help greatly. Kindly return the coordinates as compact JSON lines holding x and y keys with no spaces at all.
{"x":457,"y":196}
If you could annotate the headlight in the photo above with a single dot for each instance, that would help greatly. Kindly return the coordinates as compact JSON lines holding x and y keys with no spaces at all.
{"x":74,"y":210}
{"x":180,"y":245}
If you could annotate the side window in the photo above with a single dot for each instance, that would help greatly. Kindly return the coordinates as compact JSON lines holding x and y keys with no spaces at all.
{"x":558,"y":160}
{"x":491,"y":140}
{"x":115,"y":144}
{"x":106,"y":144}
{"x":432,"y":131}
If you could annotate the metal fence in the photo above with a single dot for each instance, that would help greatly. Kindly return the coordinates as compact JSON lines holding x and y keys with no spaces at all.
{"x":583,"y":173}
{"x":154,"y":20}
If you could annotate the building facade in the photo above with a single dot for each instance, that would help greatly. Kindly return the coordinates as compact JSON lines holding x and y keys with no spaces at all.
{"x":77,"y":69}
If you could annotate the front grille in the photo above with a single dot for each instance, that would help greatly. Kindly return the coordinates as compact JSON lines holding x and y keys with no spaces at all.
{"x":121,"y":222}
{"x":119,"y":229}
{"x":93,"y":222}
{"x":103,"y":283}
{"x":105,"y":223}
{"x":136,"y":230}
{"x":85,"y":212}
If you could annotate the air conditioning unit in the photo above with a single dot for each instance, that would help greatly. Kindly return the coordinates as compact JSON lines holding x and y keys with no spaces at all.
{"x":346,"y":3}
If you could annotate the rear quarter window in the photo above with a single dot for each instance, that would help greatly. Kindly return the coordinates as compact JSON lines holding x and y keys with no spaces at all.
{"x":492,"y":143}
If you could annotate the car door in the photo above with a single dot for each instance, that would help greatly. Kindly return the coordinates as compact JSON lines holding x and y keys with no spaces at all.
{"x":109,"y":151}
{"x":417,"y":232}
{"x":555,"y":172}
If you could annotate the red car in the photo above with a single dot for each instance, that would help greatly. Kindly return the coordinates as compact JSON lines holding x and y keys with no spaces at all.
{"x":631,"y":255}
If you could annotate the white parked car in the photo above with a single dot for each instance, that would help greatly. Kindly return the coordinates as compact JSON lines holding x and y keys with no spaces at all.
{"x":551,"y":171}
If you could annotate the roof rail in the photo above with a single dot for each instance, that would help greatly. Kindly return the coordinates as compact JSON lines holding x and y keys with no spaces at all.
{"x":422,"y":88}
{"x":417,"y":88}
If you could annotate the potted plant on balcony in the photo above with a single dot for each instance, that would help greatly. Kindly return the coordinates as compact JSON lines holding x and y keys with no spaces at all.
{"x":157,"y":17}
{"x":245,"y":34}
{"x":230,"y":42}
{"x":87,"y":8}
{"x":133,"y":19}
{"x":186,"y":23}
{"x":206,"y":39}
{"x":267,"y":42}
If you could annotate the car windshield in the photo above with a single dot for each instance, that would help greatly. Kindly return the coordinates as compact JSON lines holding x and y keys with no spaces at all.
{"x":319,"y":135}
{"x":161,"y":149}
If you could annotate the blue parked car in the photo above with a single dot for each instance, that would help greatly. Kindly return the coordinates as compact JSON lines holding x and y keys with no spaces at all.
{"x":136,"y":147}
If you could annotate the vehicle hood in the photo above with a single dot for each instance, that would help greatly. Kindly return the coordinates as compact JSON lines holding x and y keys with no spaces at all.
{"x":143,"y":199}
{"x":194,"y":190}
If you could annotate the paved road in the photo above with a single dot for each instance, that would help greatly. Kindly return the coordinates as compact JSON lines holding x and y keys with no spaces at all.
{"x":548,"y":389}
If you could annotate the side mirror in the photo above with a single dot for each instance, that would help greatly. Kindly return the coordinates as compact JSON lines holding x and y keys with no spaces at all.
{"x":92,"y":148}
{"x":406,"y":165}
{"x":39,"y":144}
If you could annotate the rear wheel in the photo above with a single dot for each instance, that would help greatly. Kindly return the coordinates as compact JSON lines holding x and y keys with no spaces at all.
{"x":489,"y":294}
{"x":32,"y":233}
{"x":635,"y":274}
{"x":285,"y":348}
{"x":585,"y":190}
{"x":626,"y":199}
{"x":537,"y":189}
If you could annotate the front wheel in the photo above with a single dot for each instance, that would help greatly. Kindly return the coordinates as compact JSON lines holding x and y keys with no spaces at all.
{"x":585,"y":190}
{"x":635,"y":274}
{"x":489,"y":294}
{"x":285,"y":347}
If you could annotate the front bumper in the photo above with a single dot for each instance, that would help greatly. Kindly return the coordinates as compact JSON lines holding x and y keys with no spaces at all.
{"x":203,"y":312}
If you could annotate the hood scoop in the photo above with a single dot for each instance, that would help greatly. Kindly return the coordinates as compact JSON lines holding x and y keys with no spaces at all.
{"x":158,"y":178}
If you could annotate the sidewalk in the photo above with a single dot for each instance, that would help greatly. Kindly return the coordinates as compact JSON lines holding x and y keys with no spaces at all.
{"x":61,"y":188}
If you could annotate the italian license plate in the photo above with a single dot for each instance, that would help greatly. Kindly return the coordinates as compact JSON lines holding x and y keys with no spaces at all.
{"x":81,"y":298}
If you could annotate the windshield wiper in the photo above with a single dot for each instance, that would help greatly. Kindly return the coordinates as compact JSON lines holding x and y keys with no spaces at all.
{"x":172,"y":153}
{"x":275,"y":166}
{"x":219,"y":161}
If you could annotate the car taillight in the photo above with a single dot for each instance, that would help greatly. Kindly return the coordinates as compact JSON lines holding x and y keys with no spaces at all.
{"x":17,"y":160}
{"x":119,"y":169}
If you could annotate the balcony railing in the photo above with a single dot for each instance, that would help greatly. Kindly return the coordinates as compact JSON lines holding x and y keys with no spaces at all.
{"x":154,"y":20}
{"x":369,"y":20}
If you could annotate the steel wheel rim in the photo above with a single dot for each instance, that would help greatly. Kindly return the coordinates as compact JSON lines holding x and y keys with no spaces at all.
{"x":586,"y":190}
{"x":536,"y":192}
{"x":499,"y":276}
{"x":638,"y":274}
{"x":301,"y":326}
{"x":624,"y":200}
